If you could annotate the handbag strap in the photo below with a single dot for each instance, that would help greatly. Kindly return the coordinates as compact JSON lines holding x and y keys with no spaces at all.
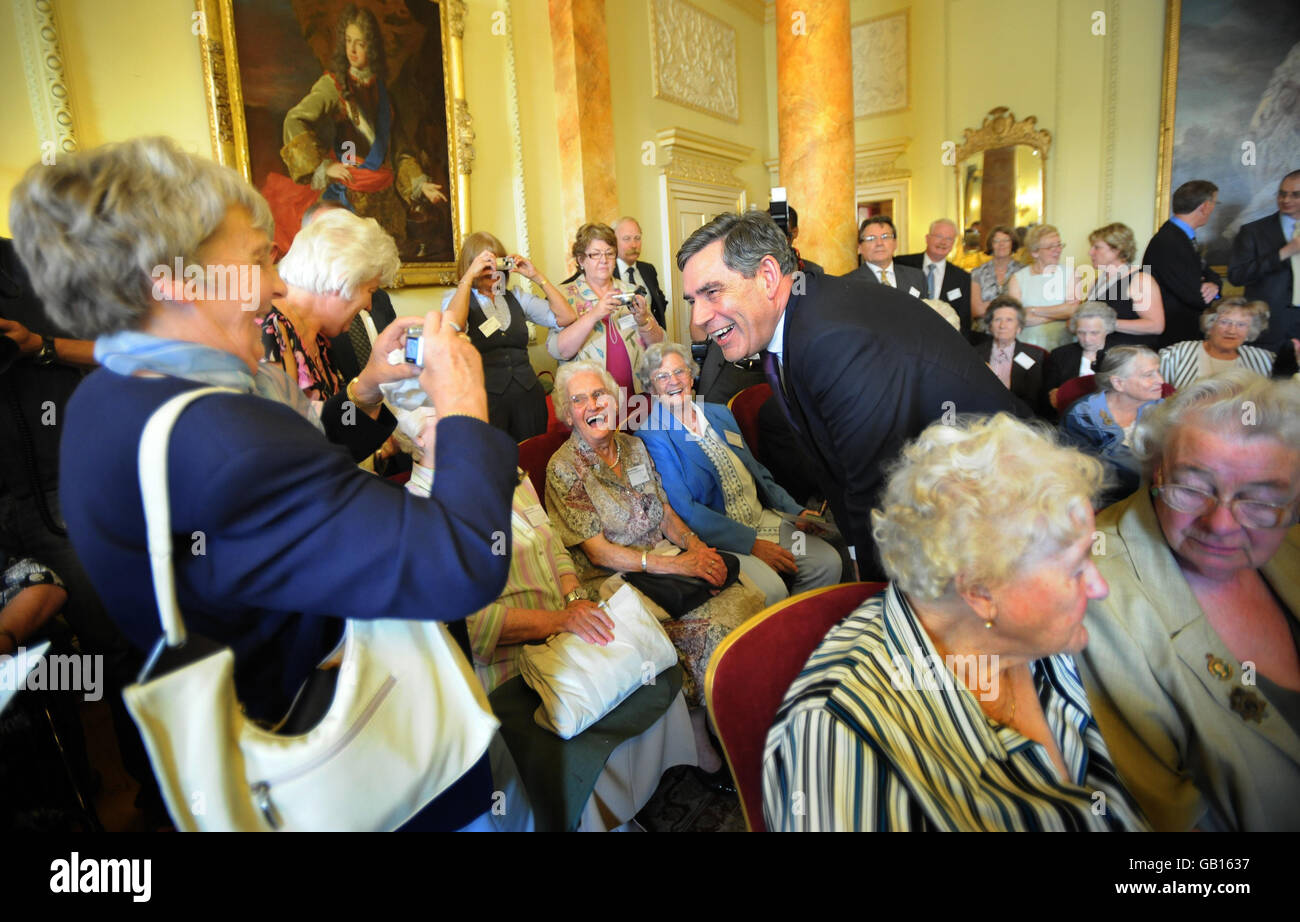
{"x":152,"y":461}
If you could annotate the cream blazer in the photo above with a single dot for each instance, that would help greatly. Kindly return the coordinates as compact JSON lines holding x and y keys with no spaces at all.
{"x":1184,"y":729}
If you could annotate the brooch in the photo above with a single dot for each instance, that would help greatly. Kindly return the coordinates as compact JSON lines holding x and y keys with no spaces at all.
{"x":1248,"y":705}
{"x":1220,"y":669}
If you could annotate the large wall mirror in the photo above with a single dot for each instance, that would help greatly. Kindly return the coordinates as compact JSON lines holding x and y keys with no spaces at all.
{"x":1001,"y":172}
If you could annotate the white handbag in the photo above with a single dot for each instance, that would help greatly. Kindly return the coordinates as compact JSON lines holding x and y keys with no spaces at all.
{"x":580,"y":682}
{"x":407,"y":719}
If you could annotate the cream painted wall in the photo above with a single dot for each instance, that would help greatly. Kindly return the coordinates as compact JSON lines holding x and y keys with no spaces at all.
{"x":1099,"y":96}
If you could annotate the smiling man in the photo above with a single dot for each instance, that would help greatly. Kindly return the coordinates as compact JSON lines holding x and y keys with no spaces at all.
{"x":857,"y":369}
{"x":944,"y":281}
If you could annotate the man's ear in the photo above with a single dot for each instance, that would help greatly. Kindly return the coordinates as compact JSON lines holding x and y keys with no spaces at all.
{"x":769,"y":276}
{"x":977,"y":596}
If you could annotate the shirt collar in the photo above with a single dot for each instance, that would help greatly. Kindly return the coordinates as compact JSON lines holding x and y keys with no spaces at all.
{"x":1288,"y":226}
{"x":1183,"y":226}
{"x":926,"y":262}
{"x":622,"y":269}
{"x":776,"y":344}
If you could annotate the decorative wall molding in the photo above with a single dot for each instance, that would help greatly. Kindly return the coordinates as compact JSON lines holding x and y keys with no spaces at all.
{"x":1111,"y":96}
{"x":47,"y":84}
{"x":464,"y":138}
{"x":875,"y":161}
{"x":880,"y":65}
{"x":1001,"y":129}
{"x":516,"y":137}
{"x":693,"y":59}
{"x":697,"y":157}
{"x":456,"y":13}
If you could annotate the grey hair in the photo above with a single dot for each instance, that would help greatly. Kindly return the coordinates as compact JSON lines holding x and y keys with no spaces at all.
{"x":564,"y":374}
{"x":1094,"y":309}
{"x":339,"y":252}
{"x":981,"y":499}
{"x":92,"y":228}
{"x":654,"y":356}
{"x":746,"y":239}
{"x":1237,"y":402}
{"x":1256,"y":310}
{"x":1118,"y":362}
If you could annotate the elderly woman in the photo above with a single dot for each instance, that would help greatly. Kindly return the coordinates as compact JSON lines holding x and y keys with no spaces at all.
{"x":280,"y":514}
{"x":1103,"y":423}
{"x":614,"y":324}
{"x":1045,"y":290}
{"x":496,"y":324}
{"x":1129,"y":290}
{"x":334,"y":266}
{"x":1018,"y":365}
{"x":950,"y":701}
{"x":1228,"y":324}
{"x":1092,"y":326}
{"x":990,"y":279}
{"x":719,"y":489}
{"x":1193,"y":665}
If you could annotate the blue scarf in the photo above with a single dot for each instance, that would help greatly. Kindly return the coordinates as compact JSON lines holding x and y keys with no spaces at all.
{"x":130,"y":351}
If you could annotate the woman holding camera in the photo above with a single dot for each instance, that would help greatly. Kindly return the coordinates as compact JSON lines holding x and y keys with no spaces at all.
{"x":494,"y":319}
{"x":614,"y":324}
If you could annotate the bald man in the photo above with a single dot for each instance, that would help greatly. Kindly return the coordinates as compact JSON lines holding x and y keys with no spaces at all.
{"x":945,"y":281}
{"x":633,"y":270}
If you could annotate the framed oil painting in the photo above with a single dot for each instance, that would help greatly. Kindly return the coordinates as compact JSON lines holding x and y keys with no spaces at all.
{"x":1230,"y":110}
{"x":352,"y":102}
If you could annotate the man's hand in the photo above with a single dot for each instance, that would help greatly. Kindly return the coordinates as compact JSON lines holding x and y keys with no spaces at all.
{"x":453,"y":371}
{"x":1209,"y":291}
{"x":339,"y":173}
{"x":433,"y":192}
{"x":28,"y":342}
{"x":587,"y":620}
{"x":377,"y":370}
{"x":775,"y":556}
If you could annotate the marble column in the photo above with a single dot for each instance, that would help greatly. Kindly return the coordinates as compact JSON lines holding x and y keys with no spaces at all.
{"x":584,"y":112}
{"x":814,"y":109}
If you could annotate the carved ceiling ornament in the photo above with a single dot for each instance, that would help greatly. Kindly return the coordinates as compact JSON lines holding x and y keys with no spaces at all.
{"x":1000,"y":129}
{"x":693,"y":59}
{"x":47,"y":83}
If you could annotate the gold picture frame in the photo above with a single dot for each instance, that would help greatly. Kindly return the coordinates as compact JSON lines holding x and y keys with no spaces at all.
{"x":1168,"y":100}
{"x":228,"y":113}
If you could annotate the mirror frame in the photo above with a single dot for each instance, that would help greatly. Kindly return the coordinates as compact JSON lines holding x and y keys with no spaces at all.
{"x":1001,"y":129}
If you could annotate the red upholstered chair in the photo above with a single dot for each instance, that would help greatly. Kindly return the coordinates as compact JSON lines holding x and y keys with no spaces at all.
{"x":534,"y":453}
{"x":745,"y":406}
{"x":1072,"y":390}
{"x":753,"y":668}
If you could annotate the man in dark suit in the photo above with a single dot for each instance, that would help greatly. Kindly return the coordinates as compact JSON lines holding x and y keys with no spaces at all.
{"x":943,"y":280}
{"x":631,"y":269}
{"x":1266,"y":260}
{"x":1186,"y":283}
{"x":859,"y":369}
{"x":877,"y":241}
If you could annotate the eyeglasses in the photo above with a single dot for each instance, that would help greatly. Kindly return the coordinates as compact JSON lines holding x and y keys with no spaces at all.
{"x":580,"y":400}
{"x":663,"y":377}
{"x":1282,"y":193}
{"x":1232,"y":324}
{"x":870,"y":237}
{"x":1051,"y":246}
{"x":602,"y":257}
{"x":1248,"y":512}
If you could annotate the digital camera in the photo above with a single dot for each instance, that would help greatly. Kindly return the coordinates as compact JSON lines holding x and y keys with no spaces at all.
{"x":415,"y":346}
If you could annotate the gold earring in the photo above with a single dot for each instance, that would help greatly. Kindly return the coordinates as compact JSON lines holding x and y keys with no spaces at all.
{"x":988,"y":625}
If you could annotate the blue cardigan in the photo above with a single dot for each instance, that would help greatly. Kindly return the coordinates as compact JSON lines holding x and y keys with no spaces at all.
{"x":692,"y":484}
{"x":1088,"y":425}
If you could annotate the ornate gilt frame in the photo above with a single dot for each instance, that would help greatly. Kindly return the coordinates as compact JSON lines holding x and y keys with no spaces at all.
{"x":215,"y":27}
{"x":1168,"y":101}
{"x":1001,"y":129}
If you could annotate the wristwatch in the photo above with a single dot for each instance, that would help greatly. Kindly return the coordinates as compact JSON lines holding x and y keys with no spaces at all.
{"x":48,"y":354}
{"x":575,"y":595}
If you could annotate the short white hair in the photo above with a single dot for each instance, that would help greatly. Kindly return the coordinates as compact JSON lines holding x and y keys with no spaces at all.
{"x":654,"y":356}
{"x":983,"y":498}
{"x":566,"y":373}
{"x":338,"y":253}
{"x":1237,"y":403}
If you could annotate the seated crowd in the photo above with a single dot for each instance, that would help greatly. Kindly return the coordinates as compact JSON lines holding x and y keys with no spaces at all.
{"x":1085,"y":591}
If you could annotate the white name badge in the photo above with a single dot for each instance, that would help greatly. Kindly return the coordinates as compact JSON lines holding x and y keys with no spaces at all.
{"x":915,"y":293}
{"x":954,"y":294}
{"x":637,"y":474}
{"x":489,"y":326}
{"x":734,"y":438}
{"x":535,"y":515}
{"x":626,"y":322}
{"x":1024,"y":361}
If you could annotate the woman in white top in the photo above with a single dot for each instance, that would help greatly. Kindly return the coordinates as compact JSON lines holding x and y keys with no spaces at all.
{"x":1045,"y":290}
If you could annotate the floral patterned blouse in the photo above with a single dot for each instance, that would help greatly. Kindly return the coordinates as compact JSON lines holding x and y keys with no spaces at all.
{"x":585,"y":498}
{"x":580,"y":296}
{"x":318,"y":381}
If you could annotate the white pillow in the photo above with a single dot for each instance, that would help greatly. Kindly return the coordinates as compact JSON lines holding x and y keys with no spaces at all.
{"x":580,"y":682}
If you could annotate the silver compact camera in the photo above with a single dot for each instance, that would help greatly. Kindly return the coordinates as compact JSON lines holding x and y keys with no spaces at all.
{"x":505,"y":263}
{"x":624,"y":298}
{"x":414,"y":353}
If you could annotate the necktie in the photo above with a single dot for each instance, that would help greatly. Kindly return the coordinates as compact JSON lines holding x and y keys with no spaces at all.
{"x":884,"y":278}
{"x":772,"y":371}
{"x":631,"y":275}
{"x":929,"y":279}
{"x":360,"y":340}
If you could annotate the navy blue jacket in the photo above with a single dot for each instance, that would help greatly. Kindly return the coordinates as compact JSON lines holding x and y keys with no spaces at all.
{"x":691,"y":481}
{"x":293,"y":536}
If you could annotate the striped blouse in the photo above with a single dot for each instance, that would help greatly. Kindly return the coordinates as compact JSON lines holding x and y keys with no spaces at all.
{"x":1180,"y":363}
{"x":860,"y":743}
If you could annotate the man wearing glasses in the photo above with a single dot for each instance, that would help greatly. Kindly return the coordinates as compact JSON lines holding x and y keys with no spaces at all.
{"x":1266,"y":260}
{"x":877,"y":241}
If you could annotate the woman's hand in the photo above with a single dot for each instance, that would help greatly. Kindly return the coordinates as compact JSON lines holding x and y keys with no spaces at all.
{"x":587,"y":620}
{"x":524,"y":266}
{"x":775,"y":556}
{"x":702,"y":562}
{"x":483,"y":262}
